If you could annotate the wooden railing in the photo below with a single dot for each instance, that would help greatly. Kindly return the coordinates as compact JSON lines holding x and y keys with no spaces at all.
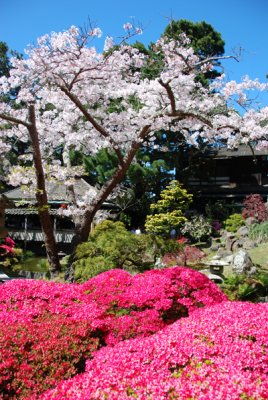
{"x":213,"y":181}
{"x":36,"y":235}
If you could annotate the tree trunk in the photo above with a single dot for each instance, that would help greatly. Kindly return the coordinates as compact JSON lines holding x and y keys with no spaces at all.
{"x":42,"y":201}
{"x":83,"y":229}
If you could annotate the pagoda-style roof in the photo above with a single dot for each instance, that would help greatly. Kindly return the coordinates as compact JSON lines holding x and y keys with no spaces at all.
{"x":57,"y":192}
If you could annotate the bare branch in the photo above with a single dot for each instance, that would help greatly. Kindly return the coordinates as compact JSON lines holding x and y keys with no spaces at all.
{"x":211,"y":59}
{"x":14,"y":120}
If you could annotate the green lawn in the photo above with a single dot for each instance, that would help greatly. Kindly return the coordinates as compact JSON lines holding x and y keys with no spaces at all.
{"x":259,"y":255}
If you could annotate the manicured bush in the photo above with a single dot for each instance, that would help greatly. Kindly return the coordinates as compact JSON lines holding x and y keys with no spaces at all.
{"x":111,"y":245}
{"x":168,"y":212}
{"x":38,"y":354}
{"x":217,"y":353}
{"x":234,"y":222}
{"x":197,"y":229}
{"x":87,"y":268}
{"x":48,"y":330}
{"x":254,"y":206}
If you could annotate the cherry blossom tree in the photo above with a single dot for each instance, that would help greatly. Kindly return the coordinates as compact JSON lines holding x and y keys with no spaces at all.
{"x":73,"y":97}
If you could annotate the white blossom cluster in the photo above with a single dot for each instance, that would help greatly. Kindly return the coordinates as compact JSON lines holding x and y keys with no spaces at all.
{"x":84,"y":100}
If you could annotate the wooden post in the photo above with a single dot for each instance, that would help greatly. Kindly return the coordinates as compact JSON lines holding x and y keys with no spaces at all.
{"x":55,"y":227}
{"x":25,"y":231}
{"x":4,"y":202}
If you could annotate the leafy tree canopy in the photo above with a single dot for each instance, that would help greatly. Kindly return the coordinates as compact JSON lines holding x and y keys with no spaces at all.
{"x":205,"y":41}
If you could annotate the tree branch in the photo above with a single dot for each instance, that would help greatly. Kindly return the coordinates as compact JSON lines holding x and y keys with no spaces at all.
{"x":210,"y":59}
{"x":14,"y":120}
{"x":93,"y":122}
{"x":170,"y":95}
{"x":179,"y":115}
{"x":110,"y":185}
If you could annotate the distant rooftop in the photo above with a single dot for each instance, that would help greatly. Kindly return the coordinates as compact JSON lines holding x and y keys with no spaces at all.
{"x":57,"y":193}
{"x":242,"y":151}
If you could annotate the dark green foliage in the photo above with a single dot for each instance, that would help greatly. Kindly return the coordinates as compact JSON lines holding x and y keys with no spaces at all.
{"x":205,"y":41}
{"x":144,"y":177}
{"x":217,"y":211}
{"x":111,"y":245}
{"x":100,"y":167}
{"x":154,"y":62}
{"x":4,"y":60}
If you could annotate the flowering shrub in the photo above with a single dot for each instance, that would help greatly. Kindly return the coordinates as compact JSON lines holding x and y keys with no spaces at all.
{"x":144,"y":303}
{"x":37,"y":354}
{"x":218,"y":353}
{"x":8,"y":246}
{"x":6,"y":250}
{"x":9,"y":254}
{"x":48,"y":329}
{"x":44,"y":338}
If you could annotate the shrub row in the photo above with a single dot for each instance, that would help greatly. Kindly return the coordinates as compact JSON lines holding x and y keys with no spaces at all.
{"x":217,"y":353}
{"x":48,"y":330}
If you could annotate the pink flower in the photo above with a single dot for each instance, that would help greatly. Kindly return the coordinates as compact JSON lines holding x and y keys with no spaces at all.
{"x":10,"y":242}
{"x":8,"y":249}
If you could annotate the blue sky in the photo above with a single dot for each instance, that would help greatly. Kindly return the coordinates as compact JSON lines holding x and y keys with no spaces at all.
{"x":242,"y":23}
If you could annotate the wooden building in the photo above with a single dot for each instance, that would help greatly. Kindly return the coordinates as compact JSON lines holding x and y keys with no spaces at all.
{"x":231,"y":174}
{"x":22,"y":221}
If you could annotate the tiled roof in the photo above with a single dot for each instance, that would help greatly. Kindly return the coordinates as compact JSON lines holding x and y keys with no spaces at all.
{"x":57,"y":193}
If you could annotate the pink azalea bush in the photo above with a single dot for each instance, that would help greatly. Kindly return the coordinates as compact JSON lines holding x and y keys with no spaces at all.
{"x":144,"y":303}
{"x":7,"y":247}
{"x":42,"y":338}
{"x":37,"y":355}
{"x":218,"y":353}
{"x":48,"y":330}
